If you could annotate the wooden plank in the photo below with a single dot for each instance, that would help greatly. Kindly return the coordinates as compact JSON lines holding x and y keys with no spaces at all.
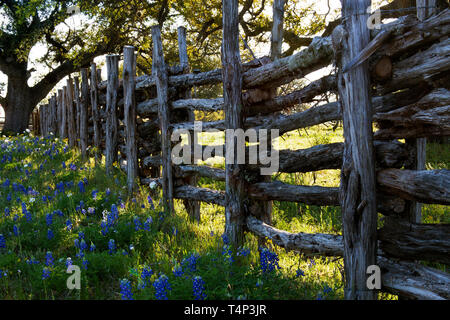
{"x":164,"y":117}
{"x":358,"y":188}
{"x":111,"y":132}
{"x":129,"y":75}
{"x":77,"y":99}
{"x":64,"y":114}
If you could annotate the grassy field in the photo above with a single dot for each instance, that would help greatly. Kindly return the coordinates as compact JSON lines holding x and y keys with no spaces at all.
{"x":57,"y":210}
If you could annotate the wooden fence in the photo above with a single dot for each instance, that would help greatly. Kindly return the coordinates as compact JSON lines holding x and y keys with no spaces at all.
{"x":396,"y":76}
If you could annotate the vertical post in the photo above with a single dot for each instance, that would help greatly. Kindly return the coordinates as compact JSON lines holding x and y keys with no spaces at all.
{"x":41,"y":120}
{"x":95,"y":112}
{"x":425,"y":9}
{"x":192,"y":207}
{"x":61,"y":112}
{"x":84,"y":112}
{"x":71,"y":124}
{"x":64,"y":129}
{"x":161,"y":75}
{"x":76,"y":93}
{"x":232,"y":89}
{"x":53,"y":117}
{"x":358,"y":188}
{"x":111,"y":132}
{"x":277,"y":29}
{"x":129,"y":85}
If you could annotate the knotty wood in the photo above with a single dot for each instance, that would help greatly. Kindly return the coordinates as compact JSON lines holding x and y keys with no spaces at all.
{"x":84,"y":112}
{"x":358,"y":188}
{"x":111,"y":132}
{"x":234,"y":119}
{"x":164,"y":117}
{"x":129,"y":74}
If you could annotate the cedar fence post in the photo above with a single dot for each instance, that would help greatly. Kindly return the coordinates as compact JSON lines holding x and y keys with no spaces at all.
{"x":111,"y":132}
{"x":358,"y":189}
{"x":129,"y":85}
{"x":161,"y":75}
{"x":95,"y":113}
{"x":84,"y":112}
{"x":70,"y":114}
{"x":60,"y":114}
{"x":76,"y":91}
{"x":192,"y":207}
{"x":234,"y":119}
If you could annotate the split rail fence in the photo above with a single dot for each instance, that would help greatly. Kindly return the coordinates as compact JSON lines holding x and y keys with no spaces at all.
{"x":396,"y":76}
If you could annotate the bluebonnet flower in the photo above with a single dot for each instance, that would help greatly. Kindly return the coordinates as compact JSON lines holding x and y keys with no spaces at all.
{"x":69,"y":224}
{"x":111,"y":246}
{"x":300,"y":273}
{"x":92,"y":248}
{"x":2,"y":241}
{"x":50,"y":234}
{"x":3,"y":274}
{"x":9,"y":197}
{"x":189,"y":264}
{"x":68,"y":262}
{"x":225,"y":239}
{"x":49,"y":259}
{"x":81,"y":235}
{"x":162,"y":286}
{"x":269,"y":260}
{"x":49,"y":219}
{"x":147,"y":224}
{"x":16,"y":230}
{"x":227,"y":253}
{"x":150,"y":201}
{"x":7,"y":212}
{"x":137,"y":223}
{"x":259,"y":283}
{"x":81,"y":187}
{"x":243,"y":252}
{"x":198,"y":288}
{"x":178,"y":271}
{"x":76,"y":242}
{"x":45,"y":273}
{"x":85,"y":264}
{"x":125,"y":290}
{"x":327,"y":289}
{"x":94,"y":194}
{"x":146,"y":276}
{"x":108,"y":192}
{"x":91,"y":210}
{"x":63,"y":164}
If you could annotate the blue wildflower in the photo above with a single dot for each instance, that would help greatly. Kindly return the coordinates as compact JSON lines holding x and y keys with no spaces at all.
{"x":45,"y":273}
{"x":198,"y":288}
{"x":2,"y":241}
{"x":162,"y":286}
{"x":269,"y":260}
{"x":50,"y":234}
{"x":111,"y":246}
{"x":49,"y":259}
{"x":125,"y":290}
{"x":300,"y":273}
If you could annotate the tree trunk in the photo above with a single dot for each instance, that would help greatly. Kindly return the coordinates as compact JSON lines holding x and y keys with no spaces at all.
{"x":19,"y":104}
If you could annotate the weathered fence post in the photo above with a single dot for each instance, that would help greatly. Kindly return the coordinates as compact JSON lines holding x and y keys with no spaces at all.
{"x":111,"y":131}
{"x":277,"y":29}
{"x":84,"y":112}
{"x":64,"y":129}
{"x":53,"y":117}
{"x":42,"y":120}
{"x":164,"y":117}
{"x":425,"y":9}
{"x":129,"y":85}
{"x":95,"y":112}
{"x":61,"y":116}
{"x":192,"y":207}
{"x":234,"y":119}
{"x":77,"y":105}
{"x":358,"y":189}
{"x":71,"y":124}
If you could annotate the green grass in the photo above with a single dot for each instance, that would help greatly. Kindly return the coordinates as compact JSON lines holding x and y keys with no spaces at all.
{"x":169,"y":239}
